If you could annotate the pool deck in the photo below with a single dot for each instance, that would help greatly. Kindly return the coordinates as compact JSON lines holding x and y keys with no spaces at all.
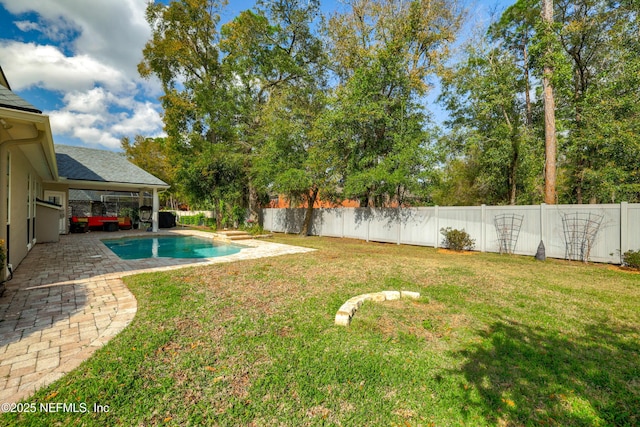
{"x":67,"y":299}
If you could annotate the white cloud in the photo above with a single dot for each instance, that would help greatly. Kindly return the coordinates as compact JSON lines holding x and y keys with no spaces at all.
{"x":90,"y":61}
{"x":28,"y":26}
{"x":111,"y":31}
{"x":96,"y":118}
{"x":47,"y":67}
{"x":145,"y":120}
{"x":94,"y":101}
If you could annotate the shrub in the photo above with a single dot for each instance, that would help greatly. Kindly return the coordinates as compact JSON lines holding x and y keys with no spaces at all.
{"x":198,"y":220}
{"x":457,"y":240}
{"x":631,"y":259}
{"x":252,"y":228}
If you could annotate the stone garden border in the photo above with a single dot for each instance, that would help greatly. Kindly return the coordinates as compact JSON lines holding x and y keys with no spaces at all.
{"x":348,"y":309}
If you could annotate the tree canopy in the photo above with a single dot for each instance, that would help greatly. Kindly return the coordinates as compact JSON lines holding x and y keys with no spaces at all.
{"x":283,"y":100}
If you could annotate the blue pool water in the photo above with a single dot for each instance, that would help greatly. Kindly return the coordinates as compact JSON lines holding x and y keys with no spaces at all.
{"x":169,"y":247}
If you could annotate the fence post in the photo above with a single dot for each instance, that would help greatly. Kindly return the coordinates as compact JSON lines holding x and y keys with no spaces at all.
{"x":399,"y":217}
{"x":624,"y":229}
{"x":483,"y":230}
{"x":437,"y":222}
{"x":542,"y":224}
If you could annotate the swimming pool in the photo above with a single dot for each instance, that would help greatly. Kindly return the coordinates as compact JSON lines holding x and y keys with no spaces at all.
{"x":169,"y":247}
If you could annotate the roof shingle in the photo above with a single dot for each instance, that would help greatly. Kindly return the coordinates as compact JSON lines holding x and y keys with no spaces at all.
{"x":8,"y":99}
{"x":89,"y":164}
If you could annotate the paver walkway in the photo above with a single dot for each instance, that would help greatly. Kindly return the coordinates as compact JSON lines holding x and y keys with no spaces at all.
{"x":66,"y":300}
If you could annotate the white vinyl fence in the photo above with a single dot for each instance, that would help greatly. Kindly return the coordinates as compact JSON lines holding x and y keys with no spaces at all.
{"x":600,"y":233}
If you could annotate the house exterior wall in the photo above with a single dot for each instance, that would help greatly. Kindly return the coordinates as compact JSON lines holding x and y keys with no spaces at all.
{"x":24,"y":186}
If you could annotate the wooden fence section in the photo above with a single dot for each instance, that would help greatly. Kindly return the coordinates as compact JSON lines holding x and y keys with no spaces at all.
{"x":600,"y":233}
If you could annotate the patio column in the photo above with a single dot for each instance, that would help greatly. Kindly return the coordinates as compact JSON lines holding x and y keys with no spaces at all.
{"x":156,"y":208}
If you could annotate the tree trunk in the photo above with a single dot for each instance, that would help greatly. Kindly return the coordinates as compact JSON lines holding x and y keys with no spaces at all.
{"x":254,"y":208}
{"x":527,"y":87}
{"x":311,"y":200}
{"x":550,"y":142}
{"x":513,"y":174}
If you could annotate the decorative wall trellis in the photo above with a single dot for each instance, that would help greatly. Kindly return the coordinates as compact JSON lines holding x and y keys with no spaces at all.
{"x":508,"y":230}
{"x":580,"y":231}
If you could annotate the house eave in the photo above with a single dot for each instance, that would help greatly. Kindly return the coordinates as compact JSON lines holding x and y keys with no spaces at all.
{"x":110,"y":185}
{"x":31,"y":132}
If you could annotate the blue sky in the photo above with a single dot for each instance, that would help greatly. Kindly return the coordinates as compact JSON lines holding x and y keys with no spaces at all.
{"x":76,"y":60}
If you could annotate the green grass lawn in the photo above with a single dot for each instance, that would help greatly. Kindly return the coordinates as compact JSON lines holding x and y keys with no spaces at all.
{"x":494,"y":340}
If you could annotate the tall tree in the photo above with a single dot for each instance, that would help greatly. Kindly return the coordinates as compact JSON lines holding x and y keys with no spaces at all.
{"x":550,"y":139}
{"x":515,"y":31}
{"x":587,"y":34}
{"x":384,"y":53}
{"x":184,"y":54}
{"x":489,"y":124}
{"x":269,"y":50}
{"x":293,"y":161}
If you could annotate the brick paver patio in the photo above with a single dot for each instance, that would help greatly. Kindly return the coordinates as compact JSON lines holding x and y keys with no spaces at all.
{"x":67,"y":299}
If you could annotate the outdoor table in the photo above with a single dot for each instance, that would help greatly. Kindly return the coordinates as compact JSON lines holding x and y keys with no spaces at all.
{"x":110,"y":225}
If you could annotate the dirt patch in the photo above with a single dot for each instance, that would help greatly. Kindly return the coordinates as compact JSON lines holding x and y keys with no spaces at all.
{"x":451,"y":252}
{"x":624,"y":269}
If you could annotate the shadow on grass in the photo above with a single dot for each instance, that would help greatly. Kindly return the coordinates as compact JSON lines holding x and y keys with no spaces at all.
{"x":522,"y":375}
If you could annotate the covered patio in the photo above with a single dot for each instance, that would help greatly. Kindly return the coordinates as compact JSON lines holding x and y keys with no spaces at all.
{"x":82,"y":168}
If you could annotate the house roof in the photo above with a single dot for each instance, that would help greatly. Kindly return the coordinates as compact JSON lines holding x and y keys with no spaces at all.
{"x":99,"y":196}
{"x":8,"y":99}
{"x":100,"y":166}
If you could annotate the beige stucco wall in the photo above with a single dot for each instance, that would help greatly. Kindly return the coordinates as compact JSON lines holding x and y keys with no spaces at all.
{"x":21,"y":169}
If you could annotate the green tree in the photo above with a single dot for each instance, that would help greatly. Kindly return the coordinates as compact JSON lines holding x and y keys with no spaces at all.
{"x":592,"y":36}
{"x":151,"y":155}
{"x":293,"y":161}
{"x":199,"y":114}
{"x":383,"y":54}
{"x":490,"y":133}
{"x":268,"y":52}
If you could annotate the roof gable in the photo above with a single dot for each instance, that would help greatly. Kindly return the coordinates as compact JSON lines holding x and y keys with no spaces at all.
{"x":89,"y":164}
{"x":8,"y":99}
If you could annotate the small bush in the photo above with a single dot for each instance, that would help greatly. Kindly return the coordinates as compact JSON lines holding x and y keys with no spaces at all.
{"x":252,"y":228}
{"x":457,"y":240}
{"x":198,"y":220}
{"x":631,"y":259}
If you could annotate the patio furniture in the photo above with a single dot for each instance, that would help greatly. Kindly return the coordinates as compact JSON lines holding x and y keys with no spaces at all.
{"x":106,"y":223}
{"x":110,"y":225}
{"x":78,"y":224}
{"x":146,"y":214}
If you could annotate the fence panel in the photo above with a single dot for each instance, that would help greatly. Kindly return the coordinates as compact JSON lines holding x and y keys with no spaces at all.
{"x":467,"y":218}
{"x":329,"y":222}
{"x":597,"y":232}
{"x":418,"y":226}
{"x":633,"y":228}
{"x":384,"y":225}
{"x":356,"y":222}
